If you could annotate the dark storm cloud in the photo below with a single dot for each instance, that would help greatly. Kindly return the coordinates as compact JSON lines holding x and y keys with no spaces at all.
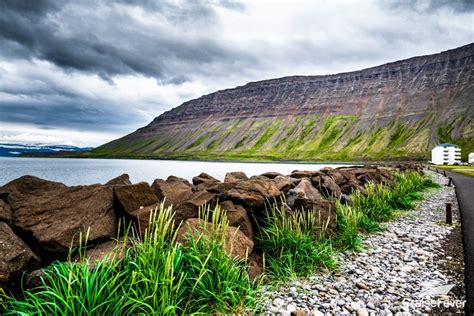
{"x":72,"y":36}
{"x":62,"y":112}
{"x":166,"y":40}
{"x":460,"y":6}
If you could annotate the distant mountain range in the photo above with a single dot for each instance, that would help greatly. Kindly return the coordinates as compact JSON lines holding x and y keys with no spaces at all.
{"x":398,"y":110}
{"x":15,"y":150}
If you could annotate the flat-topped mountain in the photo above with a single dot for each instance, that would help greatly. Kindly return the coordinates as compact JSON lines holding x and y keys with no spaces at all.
{"x":398,"y":110}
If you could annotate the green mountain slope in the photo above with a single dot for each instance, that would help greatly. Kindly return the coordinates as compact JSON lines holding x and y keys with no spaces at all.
{"x":394,"y":111}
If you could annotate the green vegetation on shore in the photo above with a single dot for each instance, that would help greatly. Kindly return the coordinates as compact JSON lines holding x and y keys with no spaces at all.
{"x":157,"y":275}
{"x":378,"y":203}
{"x":303,"y":137}
{"x":466,"y":170}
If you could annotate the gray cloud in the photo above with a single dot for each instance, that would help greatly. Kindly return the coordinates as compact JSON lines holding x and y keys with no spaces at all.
{"x":73,"y":36}
{"x":460,"y":6}
{"x":111,"y":66}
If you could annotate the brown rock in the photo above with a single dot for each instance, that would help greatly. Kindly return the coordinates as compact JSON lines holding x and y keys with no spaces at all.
{"x":260,"y":178}
{"x":35,"y":279}
{"x":221,"y":188}
{"x":142,"y":218}
{"x":271,"y":175}
{"x":52,"y":215}
{"x":235,"y":177}
{"x":173,"y":191}
{"x":111,"y":249}
{"x":5,"y":212}
{"x":339,"y":176}
{"x":326,"y":186}
{"x":284,"y":183}
{"x":325,"y":214}
{"x":15,"y":255}
{"x":302,"y":194}
{"x":297,"y":174}
{"x":238,"y":217}
{"x":373,"y":174}
{"x":299,"y":312}
{"x":236,"y":243}
{"x":350,"y":187}
{"x":131,"y":197}
{"x":123,"y":179}
{"x":253,"y":194}
{"x":190,"y":208}
{"x":255,"y":266}
{"x":204,"y":177}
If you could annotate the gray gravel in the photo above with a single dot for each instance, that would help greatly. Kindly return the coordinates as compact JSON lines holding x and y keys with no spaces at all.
{"x":392,"y":276}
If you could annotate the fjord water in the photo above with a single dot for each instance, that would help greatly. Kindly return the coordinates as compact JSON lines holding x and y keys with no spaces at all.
{"x":71,"y":171}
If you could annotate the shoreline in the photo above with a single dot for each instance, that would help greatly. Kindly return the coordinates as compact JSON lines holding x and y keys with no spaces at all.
{"x":276,"y":161}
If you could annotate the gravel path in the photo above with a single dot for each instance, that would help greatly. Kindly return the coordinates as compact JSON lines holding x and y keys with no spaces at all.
{"x":394,"y":274}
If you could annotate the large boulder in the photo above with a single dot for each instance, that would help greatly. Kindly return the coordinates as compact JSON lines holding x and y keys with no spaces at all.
{"x":123,"y":179}
{"x":5,"y":212}
{"x":373,"y":174}
{"x":271,"y":174}
{"x":109,"y":250}
{"x":340,"y":176}
{"x":302,"y":194}
{"x":190,"y":208}
{"x":51,"y":215}
{"x":15,"y":255}
{"x":351,"y":186}
{"x":204,"y":178}
{"x":221,"y":188}
{"x":238,"y":217}
{"x":236,"y":243}
{"x":235,"y":177}
{"x":130,"y":198}
{"x":142,"y":218}
{"x":325,"y":215}
{"x":326,"y":186}
{"x":299,"y":174}
{"x":285,"y":183}
{"x":253,"y":193}
{"x":173,"y":191}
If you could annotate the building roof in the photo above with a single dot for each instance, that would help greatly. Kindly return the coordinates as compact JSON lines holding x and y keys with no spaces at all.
{"x":447,"y":145}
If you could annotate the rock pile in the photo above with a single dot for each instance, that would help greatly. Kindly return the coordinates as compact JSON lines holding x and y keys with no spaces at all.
{"x":40,"y":219}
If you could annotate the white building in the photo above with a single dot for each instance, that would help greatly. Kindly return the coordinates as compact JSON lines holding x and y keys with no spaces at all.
{"x":446,"y":154}
{"x":471,"y":158}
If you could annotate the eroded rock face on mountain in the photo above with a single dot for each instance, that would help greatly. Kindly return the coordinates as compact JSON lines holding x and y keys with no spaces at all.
{"x":396,"y":110}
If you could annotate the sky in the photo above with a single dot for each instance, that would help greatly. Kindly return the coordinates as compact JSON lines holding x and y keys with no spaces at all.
{"x":86,"y":72}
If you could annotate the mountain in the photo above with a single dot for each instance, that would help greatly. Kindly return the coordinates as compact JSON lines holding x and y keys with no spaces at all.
{"x":398,"y":110}
{"x":15,"y":150}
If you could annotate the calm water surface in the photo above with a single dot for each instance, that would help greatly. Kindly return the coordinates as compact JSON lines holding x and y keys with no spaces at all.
{"x":88,"y":171}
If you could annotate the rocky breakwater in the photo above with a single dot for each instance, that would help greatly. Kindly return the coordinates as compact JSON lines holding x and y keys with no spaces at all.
{"x":40,"y":220}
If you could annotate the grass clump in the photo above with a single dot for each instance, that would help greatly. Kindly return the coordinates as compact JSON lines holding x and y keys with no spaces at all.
{"x":378,"y":203}
{"x":292,"y":246}
{"x":155,"y":276}
{"x":348,"y":221}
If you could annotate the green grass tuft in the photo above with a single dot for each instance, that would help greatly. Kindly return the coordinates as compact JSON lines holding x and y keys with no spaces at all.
{"x":290,"y":246}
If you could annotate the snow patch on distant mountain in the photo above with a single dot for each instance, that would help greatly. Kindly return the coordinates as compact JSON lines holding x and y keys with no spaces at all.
{"x":13,"y":150}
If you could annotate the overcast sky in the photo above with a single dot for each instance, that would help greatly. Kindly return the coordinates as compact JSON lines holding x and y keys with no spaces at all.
{"x":86,"y":72}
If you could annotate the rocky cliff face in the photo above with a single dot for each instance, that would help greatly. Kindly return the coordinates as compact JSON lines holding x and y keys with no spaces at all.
{"x":393,"y":111}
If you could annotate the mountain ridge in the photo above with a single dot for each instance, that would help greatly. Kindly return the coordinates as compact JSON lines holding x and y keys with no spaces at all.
{"x":17,"y":149}
{"x":418,"y":101}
